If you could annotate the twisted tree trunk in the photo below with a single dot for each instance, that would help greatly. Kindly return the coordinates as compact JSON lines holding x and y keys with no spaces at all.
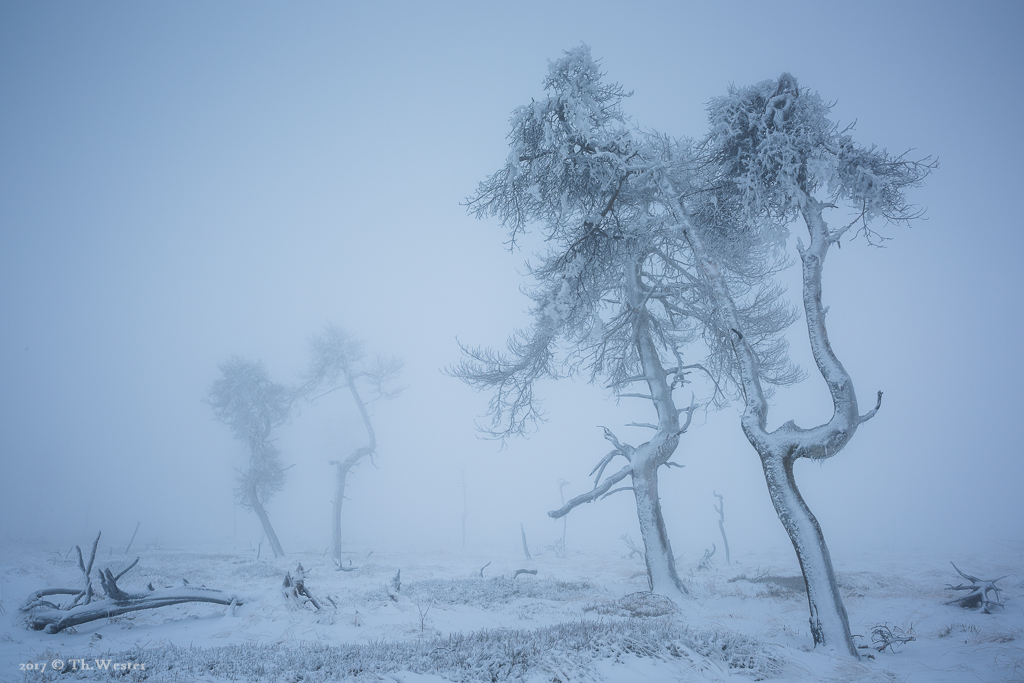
{"x":779,"y":450}
{"x":828,"y":619}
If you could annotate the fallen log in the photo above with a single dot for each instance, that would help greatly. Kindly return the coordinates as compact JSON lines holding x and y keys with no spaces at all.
{"x":44,"y":615}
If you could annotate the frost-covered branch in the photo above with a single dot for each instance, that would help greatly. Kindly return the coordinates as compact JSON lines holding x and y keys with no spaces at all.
{"x":594,"y":494}
{"x":871,"y":413}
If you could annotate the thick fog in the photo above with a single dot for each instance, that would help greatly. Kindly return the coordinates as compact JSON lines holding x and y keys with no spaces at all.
{"x":180,"y":183}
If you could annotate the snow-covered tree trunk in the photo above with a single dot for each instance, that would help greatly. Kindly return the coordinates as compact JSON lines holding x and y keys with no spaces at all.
{"x":830,"y":625}
{"x":645,"y":460}
{"x":661,"y":565}
{"x":780,"y":449}
{"x":339,"y":496}
{"x":261,"y":512}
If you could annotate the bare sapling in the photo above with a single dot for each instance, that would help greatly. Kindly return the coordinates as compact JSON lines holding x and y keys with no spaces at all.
{"x":720,"y":509}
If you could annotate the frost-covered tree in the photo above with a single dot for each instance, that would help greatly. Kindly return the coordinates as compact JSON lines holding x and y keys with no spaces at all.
{"x":773,"y":158}
{"x":252,"y":406}
{"x":338,"y":361}
{"x":612,"y":300}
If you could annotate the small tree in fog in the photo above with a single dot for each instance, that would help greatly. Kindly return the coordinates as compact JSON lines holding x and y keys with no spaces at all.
{"x":337,"y":361}
{"x":614,"y":298}
{"x":252,"y":406}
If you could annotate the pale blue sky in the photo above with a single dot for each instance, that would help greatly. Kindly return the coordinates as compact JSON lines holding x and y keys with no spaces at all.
{"x":182,"y":182}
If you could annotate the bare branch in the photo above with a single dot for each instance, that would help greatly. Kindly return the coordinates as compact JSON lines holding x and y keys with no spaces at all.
{"x":624,"y":449}
{"x":126,"y":569}
{"x":132,"y":540}
{"x":621,"y":488}
{"x":599,"y":467}
{"x":871,"y":413}
{"x":689,"y":414}
{"x":594,"y":494}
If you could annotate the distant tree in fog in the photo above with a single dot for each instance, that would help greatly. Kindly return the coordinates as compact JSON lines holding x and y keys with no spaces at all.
{"x":614,"y":298}
{"x":338,"y":361}
{"x":252,"y":406}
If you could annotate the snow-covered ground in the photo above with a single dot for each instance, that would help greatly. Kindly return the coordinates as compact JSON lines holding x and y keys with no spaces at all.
{"x":581,"y":617}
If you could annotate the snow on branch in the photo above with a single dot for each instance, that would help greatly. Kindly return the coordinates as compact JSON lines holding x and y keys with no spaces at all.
{"x":597,"y":493}
{"x":512,"y":407}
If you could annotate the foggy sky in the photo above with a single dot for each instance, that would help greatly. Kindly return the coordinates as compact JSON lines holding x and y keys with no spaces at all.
{"x":184,"y":182}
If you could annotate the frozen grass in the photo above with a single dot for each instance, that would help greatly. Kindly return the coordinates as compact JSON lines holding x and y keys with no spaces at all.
{"x":563,"y":652}
{"x":634,"y":605}
{"x":579,"y":619}
{"x":488,"y":593}
{"x":774,"y":586}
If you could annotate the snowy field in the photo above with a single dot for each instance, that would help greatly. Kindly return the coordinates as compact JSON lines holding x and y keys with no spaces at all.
{"x":584,"y":617}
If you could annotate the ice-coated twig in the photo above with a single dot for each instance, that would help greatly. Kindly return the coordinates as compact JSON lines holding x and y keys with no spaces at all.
{"x":871,"y":413}
{"x":85,"y":597}
{"x":129,"y":546}
{"x":890,"y":636}
{"x":705,"y":562}
{"x":631,"y":545}
{"x":524,"y":571}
